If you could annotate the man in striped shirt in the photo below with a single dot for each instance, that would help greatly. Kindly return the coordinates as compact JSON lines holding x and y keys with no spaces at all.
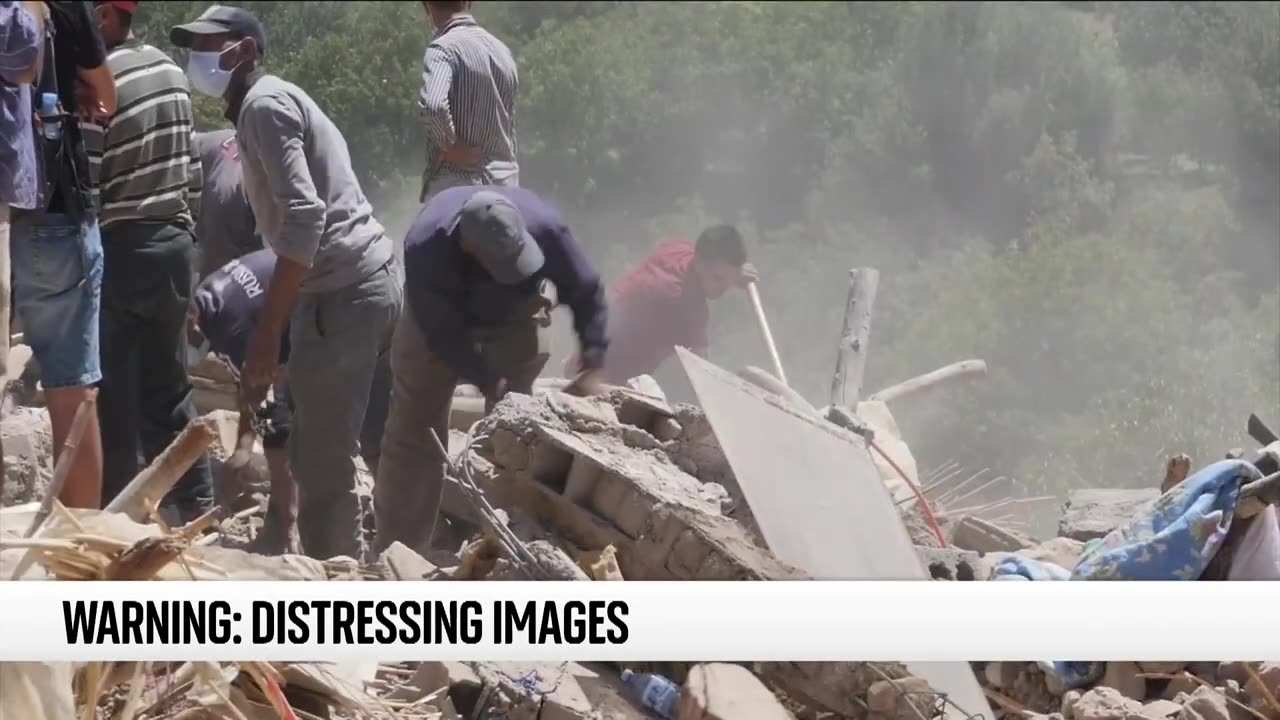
{"x":147,"y":188}
{"x":468,"y":101}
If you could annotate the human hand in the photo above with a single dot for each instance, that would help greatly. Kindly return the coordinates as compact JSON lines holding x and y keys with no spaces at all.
{"x":748,"y":275}
{"x":261,"y":365}
{"x":462,"y":155}
{"x":88,"y":106}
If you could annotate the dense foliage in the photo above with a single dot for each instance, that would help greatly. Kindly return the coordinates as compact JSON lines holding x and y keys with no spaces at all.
{"x":1086,"y":195}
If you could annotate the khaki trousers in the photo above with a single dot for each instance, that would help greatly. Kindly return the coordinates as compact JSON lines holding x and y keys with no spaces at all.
{"x":409,"y":486}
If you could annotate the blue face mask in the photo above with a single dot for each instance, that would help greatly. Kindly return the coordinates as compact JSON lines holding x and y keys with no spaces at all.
{"x":206,"y":74}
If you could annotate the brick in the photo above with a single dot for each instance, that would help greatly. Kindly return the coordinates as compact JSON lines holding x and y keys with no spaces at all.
{"x":687,"y":556}
{"x":580,"y":481}
{"x":608,"y":495}
{"x":632,"y":514}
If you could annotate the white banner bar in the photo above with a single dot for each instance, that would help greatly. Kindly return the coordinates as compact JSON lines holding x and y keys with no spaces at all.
{"x":635,"y":621}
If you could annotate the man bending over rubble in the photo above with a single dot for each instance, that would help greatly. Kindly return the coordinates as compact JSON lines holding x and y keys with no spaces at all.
{"x":478,"y":261}
{"x":336,"y":285}
{"x":662,"y":302}
{"x":224,"y":311}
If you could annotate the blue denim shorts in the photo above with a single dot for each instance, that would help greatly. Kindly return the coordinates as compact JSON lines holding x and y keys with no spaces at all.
{"x":57,"y":293}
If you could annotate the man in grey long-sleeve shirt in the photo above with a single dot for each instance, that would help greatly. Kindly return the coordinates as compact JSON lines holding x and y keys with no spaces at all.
{"x":336,"y":284}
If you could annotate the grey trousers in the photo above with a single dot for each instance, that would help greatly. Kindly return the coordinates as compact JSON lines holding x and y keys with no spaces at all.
{"x":335,"y":339}
{"x":409,"y":488}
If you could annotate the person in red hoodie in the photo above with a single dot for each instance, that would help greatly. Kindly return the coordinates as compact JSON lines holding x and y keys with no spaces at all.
{"x":662,"y":302}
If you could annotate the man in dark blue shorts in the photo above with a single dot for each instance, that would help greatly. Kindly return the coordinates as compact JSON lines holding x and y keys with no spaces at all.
{"x":224,"y":312}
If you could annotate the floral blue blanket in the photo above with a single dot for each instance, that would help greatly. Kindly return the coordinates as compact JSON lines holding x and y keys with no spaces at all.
{"x":1174,"y":539}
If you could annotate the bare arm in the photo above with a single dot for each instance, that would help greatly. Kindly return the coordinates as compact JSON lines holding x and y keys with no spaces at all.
{"x":103,"y":85}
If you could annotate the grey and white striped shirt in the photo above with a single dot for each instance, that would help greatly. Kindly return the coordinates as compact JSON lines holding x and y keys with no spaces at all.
{"x":469,"y":87}
{"x":143,"y":165}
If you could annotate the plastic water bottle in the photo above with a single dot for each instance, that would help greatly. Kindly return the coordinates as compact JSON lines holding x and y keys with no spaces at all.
{"x":654,"y":692}
{"x":50,"y":119}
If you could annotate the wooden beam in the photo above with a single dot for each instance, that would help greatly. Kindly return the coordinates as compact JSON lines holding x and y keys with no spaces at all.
{"x":851,"y":355}
{"x":954,"y":371}
{"x":145,"y":492}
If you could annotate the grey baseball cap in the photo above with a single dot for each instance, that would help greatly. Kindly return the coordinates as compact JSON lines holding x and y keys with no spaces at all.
{"x":492,"y":229}
{"x":220,"y":20}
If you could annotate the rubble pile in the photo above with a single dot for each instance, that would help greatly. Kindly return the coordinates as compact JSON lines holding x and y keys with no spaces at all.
{"x":619,"y":487}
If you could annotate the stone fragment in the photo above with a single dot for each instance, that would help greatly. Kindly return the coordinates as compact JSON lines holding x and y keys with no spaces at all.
{"x":1069,"y":700}
{"x":28,"y":455}
{"x":981,"y":536}
{"x":950,"y":563}
{"x":1123,"y":678}
{"x":1235,"y":670}
{"x":1205,"y":703}
{"x":433,"y":675}
{"x":1264,"y":689}
{"x":1093,"y":512}
{"x":404,"y":564}
{"x":1002,"y":675}
{"x":1104,"y":703}
{"x":723,"y":691}
{"x":903,"y":699}
{"x":1158,"y":709}
{"x":1063,"y":552}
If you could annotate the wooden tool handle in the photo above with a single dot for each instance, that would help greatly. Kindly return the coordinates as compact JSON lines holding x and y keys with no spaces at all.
{"x":754,"y":294}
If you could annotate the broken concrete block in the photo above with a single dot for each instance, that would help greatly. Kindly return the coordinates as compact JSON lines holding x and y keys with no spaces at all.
{"x":1094,"y":512}
{"x":908,"y":698}
{"x":28,"y":455}
{"x":722,"y":691}
{"x":1063,"y":552}
{"x":433,"y":675}
{"x":1104,"y":703}
{"x":1159,"y":709}
{"x":1123,"y":678}
{"x":1206,"y":703}
{"x":950,"y":563}
{"x":405,"y":564}
{"x":982,"y":536}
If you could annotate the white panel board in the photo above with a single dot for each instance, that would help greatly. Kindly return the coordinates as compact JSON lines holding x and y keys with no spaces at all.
{"x":818,"y":499}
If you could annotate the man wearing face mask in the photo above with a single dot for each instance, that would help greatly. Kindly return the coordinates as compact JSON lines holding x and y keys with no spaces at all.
{"x":336,"y":284}
{"x":147,"y":181}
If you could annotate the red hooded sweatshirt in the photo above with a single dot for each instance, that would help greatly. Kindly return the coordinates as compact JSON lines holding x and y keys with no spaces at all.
{"x":654,"y":307}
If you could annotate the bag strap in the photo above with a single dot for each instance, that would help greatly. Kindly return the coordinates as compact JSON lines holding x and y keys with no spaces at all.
{"x":47,"y":77}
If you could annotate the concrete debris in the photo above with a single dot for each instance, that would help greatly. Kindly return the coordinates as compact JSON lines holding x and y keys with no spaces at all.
{"x":983,"y":536}
{"x":1104,"y":703}
{"x":721,"y":691}
{"x":620,"y":487}
{"x":1126,"y":679}
{"x":28,"y":453}
{"x":1092,"y":513}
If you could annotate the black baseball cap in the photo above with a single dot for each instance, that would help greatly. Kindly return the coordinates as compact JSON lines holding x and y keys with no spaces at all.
{"x":491,"y":227}
{"x":218,"y":20}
